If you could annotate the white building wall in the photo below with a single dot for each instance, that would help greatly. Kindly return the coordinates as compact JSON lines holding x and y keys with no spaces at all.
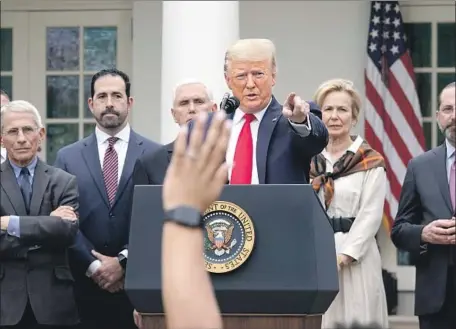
{"x":316,"y":40}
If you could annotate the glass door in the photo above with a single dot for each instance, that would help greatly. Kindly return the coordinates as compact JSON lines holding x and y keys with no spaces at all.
{"x":67,"y":48}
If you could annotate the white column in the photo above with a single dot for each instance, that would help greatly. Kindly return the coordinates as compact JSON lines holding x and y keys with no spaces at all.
{"x":195,"y":36}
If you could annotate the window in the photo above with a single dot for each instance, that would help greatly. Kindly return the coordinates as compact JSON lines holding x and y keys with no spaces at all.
{"x":73,"y":55}
{"x":68,"y":49}
{"x":6,"y":60}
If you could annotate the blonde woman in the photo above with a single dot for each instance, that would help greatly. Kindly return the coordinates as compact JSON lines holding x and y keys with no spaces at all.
{"x":350,"y":179}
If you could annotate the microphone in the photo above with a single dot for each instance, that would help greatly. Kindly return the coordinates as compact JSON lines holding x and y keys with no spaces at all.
{"x":224,"y":99}
{"x":231,"y":104}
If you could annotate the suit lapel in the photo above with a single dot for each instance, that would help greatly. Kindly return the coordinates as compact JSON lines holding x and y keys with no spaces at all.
{"x":267,"y":126}
{"x":440,"y":170}
{"x":170,"y":149}
{"x":134,"y":151}
{"x":92,"y":160}
{"x":40,"y":183}
{"x":11,"y":189}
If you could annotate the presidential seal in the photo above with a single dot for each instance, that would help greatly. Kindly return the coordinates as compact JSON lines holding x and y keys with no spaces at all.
{"x":229,"y":237}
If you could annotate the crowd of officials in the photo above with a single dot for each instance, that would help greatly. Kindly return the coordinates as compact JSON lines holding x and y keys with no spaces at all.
{"x":65,"y":226}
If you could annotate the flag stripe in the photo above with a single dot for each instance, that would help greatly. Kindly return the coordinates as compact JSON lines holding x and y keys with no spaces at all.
{"x":393,"y":122}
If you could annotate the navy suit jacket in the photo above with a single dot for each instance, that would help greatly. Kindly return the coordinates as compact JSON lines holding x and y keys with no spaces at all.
{"x":283,"y":155}
{"x":101,"y":227}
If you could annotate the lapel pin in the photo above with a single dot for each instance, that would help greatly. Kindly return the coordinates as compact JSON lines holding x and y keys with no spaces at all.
{"x":274,"y":120}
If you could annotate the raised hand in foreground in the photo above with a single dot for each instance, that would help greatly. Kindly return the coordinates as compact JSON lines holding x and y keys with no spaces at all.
{"x":195,"y":178}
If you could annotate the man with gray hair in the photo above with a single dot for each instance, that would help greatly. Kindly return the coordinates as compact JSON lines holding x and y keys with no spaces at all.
{"x":4,"y":99}
{"x":190,"y":97}
{"x":38,"y":209}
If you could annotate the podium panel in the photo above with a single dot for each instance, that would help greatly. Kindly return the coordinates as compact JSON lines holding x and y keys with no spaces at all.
{"x":290,"y":271}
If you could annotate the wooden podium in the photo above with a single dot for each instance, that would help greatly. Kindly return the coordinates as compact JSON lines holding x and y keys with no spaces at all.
{"x":248,"y":322}
{"x":287,"y":282}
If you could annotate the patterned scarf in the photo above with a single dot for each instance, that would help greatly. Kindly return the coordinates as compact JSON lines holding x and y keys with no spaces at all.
{"x":364,"y":159}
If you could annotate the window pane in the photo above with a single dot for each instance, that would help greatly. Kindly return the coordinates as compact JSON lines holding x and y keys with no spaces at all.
{"x":87,"y":82}
{"x":6,"y":83}
{"x":58,"y":136}
{"x":89,"y":128}
{"x":446,"y":44}
{"x":423,"y":86}
{"x":63,"y":96}
{"x":427,"y":128}
{"x":419,"y":43}
{"x":403,"y":258}
{"x":100,"y":48}
{"x":444,"y":79}
{"x":62,"y":48}
{"x":6,"y":50}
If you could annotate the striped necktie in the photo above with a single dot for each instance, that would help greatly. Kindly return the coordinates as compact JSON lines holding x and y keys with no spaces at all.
{"x":111,"y":169}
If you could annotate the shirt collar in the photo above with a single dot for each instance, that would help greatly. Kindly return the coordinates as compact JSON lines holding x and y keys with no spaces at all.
{"x":31,"y":167}
{"x":239,"y":114}
{"x":450,"y":149}
{"x":123,"y":135}
{"x":352,"y":148}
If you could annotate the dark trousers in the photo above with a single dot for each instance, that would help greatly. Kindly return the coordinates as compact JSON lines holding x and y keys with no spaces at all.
{"x":28,"y":321}
{"x":99,"y":309}
{"x":446,"y":317}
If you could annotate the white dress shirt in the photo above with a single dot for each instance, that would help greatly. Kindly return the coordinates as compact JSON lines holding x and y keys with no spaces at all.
{"x":450,"y":158}
{"x":3,"y":154}
{"x":121,"y":147}
{"x":238,"y":123}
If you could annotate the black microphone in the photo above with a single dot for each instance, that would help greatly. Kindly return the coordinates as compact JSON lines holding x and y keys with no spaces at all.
{"x":231,"y":104}
{"x":224,"y":99}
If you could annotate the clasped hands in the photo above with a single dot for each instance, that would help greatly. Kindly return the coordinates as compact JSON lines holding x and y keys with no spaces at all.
{"x":440,"y":231}
{"x":110,"y":274}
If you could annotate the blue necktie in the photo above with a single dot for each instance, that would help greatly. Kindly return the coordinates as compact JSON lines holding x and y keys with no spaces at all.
{"x":26,"y":187}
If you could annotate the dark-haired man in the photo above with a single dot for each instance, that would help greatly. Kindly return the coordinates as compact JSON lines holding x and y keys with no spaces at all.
{"x":103,"y":164}
{"x":425,"y":224}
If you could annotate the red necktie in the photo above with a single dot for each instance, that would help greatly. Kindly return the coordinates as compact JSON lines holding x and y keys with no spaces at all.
{"x":243,"y":155}
{"x":110,"y":169}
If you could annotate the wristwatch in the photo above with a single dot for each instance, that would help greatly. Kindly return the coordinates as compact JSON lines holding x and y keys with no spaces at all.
{"x":122,"y":260}
{"x":185,"y":216}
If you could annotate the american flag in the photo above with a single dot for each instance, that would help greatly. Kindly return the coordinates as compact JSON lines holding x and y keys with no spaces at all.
{"x":393,"y":122}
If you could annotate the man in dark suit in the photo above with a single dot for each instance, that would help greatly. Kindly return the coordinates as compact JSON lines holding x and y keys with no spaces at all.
{"x":190,"y":97}
{"x":38,"y":223}
{"x":425,"y":223}
{"x":103,"y":164}
{"x":269,"y":143}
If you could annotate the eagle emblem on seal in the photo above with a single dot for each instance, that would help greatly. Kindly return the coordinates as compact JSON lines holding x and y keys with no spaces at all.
{"x":219,"y":234}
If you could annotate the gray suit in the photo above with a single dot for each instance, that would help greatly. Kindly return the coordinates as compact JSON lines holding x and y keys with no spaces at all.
{"x":425,"y":197}
{"x":34,"y":267}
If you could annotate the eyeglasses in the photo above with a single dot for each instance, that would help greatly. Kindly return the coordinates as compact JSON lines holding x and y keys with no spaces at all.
{"x":26,"y":131}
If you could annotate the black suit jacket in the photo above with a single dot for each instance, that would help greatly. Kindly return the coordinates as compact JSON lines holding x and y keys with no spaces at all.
{"x":150,"y":168}
{"x":425,"y":197}
{"x":35,"y":266}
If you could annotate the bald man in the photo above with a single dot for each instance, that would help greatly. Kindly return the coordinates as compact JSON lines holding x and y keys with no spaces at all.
{"x":190,"y":97}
